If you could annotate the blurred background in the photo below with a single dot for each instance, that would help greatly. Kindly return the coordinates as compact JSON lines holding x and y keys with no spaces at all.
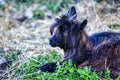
{"x":24,"y":26}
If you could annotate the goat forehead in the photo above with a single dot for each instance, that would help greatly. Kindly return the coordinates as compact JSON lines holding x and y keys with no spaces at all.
{"x":65,"y":27}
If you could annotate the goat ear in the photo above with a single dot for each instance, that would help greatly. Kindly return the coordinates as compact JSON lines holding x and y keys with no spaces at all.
{"x":71,"y":14}
{"x":57,"y":20}
{"x":82,"y":25}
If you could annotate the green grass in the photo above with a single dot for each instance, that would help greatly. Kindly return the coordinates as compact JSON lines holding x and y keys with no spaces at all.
{"x":113,"y":26}
{"x":27,"y":2}
{"x":52,"y":5}
{"x":31,"y":70}
{"x":38,"y":14}
{"x":56,"y":5}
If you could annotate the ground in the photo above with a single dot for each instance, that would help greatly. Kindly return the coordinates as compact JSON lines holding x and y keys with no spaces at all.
{"x":31,"y":36}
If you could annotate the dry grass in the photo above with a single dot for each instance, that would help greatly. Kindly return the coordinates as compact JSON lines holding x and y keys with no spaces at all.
{"x":32,"y":35}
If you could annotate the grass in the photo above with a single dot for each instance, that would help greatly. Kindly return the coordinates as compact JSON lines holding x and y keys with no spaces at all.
{"x":2,"y":4}
{"x":55,"y":5}
{"x":38,"y":14}
{"x":31,"y":70}
{"x":27,"y":2}
{"x":113,"y":26}
{"x":31,"y":37}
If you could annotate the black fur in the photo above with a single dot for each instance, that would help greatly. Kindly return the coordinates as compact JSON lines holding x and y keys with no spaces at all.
{"x":97,"y":38}
{"x":49,"y":67}
{"x":69,"y":36}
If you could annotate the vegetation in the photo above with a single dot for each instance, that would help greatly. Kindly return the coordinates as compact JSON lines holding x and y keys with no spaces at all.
{"x":55,"y":5}
{"x":39,"y":14}
{"x":19,"y":40}
{"x":27,"y":2}
{"x":31,"y":70}
{"x":113,"y":26}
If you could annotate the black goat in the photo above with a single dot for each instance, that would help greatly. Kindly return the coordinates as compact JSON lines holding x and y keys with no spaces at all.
{"x":71,"y":37}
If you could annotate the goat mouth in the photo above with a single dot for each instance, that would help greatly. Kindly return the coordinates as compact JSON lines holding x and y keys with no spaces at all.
{"x":53,"y":44}
{"x":56,"y":44}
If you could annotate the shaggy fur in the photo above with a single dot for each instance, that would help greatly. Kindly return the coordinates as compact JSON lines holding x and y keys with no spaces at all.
{"x":105,"y":55}
{"x":72,"y":38}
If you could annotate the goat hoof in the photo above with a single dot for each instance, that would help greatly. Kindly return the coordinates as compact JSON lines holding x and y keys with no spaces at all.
{"x":49,"y":67}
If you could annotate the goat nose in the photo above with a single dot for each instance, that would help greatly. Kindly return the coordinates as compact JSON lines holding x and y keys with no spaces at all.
{"x":52,"y":42}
